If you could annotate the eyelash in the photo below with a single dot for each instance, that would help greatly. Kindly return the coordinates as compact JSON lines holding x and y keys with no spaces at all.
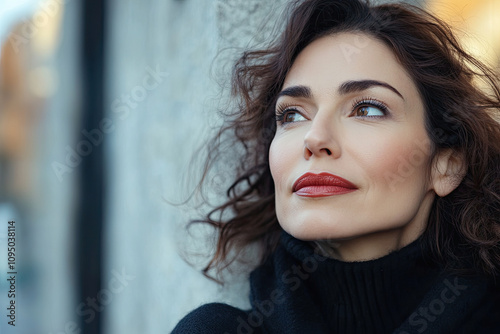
{"x":368,"y":101}
{"x":282,"y":109}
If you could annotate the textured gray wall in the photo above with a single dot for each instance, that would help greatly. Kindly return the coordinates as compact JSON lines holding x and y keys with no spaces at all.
{"x":154,"y":137}
{"x":156,"y":130}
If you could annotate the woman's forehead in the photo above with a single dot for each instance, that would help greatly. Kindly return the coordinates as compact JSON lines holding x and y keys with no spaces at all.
{"x":331,"y":61}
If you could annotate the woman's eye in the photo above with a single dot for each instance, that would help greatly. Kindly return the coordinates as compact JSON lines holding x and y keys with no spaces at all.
{"x":366,"y":110}
{"x":293,"y":116}
{"x":289,"y":116}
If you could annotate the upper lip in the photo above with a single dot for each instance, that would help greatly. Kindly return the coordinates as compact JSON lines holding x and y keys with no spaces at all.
{"x":321,"y":179}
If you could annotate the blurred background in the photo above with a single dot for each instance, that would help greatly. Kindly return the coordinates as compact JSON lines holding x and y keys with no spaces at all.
{"x":103,"y":104}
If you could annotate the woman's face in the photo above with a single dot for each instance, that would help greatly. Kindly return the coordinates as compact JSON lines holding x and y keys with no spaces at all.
{"x":348,"y":110}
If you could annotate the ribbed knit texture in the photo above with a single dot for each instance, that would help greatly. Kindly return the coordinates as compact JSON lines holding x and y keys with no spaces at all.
{"x":350,"y":297}
{"x":297,"y":291}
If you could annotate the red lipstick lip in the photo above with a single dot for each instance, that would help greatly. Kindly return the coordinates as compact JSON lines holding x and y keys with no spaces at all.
{"x":321,"y":185}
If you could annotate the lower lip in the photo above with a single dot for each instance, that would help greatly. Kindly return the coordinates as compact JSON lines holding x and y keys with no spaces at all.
{"x":322,"y":191}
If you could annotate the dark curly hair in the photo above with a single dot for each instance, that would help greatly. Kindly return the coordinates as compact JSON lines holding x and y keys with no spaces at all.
{"x":463,"y":229}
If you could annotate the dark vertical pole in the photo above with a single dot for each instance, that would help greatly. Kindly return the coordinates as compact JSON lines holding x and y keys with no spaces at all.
{"x":90,"y":212}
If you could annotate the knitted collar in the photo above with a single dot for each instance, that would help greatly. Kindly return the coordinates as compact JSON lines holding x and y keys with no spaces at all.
{"x":305,"y":292}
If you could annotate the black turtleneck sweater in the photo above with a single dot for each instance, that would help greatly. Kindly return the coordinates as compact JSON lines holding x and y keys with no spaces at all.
{"x":300,"y":291}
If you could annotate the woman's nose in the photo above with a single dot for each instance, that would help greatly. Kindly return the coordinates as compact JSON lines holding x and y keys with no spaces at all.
{"x":320,"y":140}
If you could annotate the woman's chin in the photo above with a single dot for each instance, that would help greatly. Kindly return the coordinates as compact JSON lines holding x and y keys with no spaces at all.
{"x":317,"y":229}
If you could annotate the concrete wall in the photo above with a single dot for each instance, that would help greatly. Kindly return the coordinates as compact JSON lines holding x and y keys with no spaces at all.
{"x":188,"y":45}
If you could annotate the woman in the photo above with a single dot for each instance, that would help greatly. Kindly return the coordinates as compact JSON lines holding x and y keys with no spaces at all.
{"x":369,"y":181}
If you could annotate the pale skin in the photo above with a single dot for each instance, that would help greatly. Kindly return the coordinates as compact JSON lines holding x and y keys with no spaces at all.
{"x":355,"y":112}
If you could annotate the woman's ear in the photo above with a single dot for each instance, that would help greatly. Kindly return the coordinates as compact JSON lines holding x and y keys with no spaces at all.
{"x":448,"y":170}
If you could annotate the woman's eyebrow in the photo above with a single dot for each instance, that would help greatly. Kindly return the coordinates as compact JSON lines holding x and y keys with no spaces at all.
{"x":360,"y":85}
{"x":296,"y":91}
{"x":346,"y":88}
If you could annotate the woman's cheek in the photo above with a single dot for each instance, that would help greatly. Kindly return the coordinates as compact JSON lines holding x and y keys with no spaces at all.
{"x":398,"y":163}
{"x":280,"y":156}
